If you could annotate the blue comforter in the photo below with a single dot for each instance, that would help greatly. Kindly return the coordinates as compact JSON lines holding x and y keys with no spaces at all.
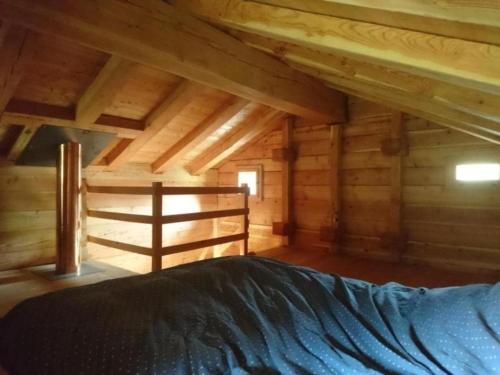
{"x":253,"y":316}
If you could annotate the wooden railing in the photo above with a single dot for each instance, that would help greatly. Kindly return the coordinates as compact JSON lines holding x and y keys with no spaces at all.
{"x":157,"y":219}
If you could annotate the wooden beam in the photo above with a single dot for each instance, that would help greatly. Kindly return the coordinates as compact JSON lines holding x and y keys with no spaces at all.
{"x":468,"y":64}
{"x":287,"y":206}
{"x":156,"y":34}
{"x":228,"y":145}
{"x":100,"y":158}
{"x":100,"y":94}
{"x":474,"y":112}
{"x":16,"y":51}
{"x":199,"y":134}
{"x":21,"y":142}
{"x":26,"y":113}
{"x":465,"y":20}
{"x":336,"y":185}
{"x":393,"y":240}
{"x":156,"y":121}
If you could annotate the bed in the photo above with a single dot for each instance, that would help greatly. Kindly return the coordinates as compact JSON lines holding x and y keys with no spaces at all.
{"x":251,"y":315}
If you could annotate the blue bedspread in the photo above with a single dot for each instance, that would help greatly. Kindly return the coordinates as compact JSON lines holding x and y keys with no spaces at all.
{"x":253,"y":316}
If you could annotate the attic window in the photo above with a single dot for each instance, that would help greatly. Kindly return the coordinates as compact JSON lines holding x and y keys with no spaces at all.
{"x":251,"y":176}
{"x":477,"y":172}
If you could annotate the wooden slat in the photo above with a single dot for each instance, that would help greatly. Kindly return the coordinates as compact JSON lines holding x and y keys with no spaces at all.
{"x":156,"y":34}
{"x":469,"y":64}
{"x":132,"y":218}
{"x":29,"y":113}
{"x":336,"y":150}
{"x":157,"y":230}
{"x":235,"y":140}
{"x":157,"y":120}
{"x":120,"y":245}
{"x":204,"y":243}
{"x":466,"y":20}
{"x":130,"y":190}
{"x":198,"y":134}
{"x":203,"y":215}
{"x":21,"y":142}
{"x":16,"y":51}
{"x":287,"y":211}
{"x":100,"y":94}
{"x":173,"y":190}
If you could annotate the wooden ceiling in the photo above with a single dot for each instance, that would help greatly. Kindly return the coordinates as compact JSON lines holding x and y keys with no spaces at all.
{"x":191,"y":81}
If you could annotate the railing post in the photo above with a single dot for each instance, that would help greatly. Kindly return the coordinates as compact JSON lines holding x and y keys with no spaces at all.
{"x":246,"y":224}
{"x":157,"y":226}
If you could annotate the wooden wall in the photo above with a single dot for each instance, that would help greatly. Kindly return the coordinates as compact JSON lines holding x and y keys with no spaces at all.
{"x":262,"y":211}
{"x":27,"y":214}
{"x":403,"y":208}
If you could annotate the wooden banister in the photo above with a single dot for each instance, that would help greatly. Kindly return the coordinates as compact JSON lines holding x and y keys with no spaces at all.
{"x":157,"y":220}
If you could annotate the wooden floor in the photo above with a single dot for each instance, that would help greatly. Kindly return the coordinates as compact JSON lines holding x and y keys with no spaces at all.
{"x":18,"y":285}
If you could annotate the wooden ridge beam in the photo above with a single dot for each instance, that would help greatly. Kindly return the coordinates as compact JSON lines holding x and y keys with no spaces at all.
{"x":21,"y":112}
{"x":474,"y":112}
{"x":232,"y":142}
{"x":468,"y":64}
{"x":101,"y":92}
{"x":156,"y":34}
{"x":17,"y":49}
{"x":160,"y":117}
{"x":465,"y":20}
{"x":199,"y":134}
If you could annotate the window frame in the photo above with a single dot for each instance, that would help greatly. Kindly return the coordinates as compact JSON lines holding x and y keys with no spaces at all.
{"x":259,"y":182}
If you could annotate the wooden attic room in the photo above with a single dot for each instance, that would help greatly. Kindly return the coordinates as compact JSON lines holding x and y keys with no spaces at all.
{"x":249,"y":186}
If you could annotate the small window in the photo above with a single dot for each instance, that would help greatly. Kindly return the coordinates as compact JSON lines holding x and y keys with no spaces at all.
{"x":477,"y":172}
{"x":251,"y":176}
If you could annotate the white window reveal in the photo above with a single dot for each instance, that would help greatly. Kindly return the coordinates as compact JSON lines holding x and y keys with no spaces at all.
{"x":477,"y":172}
{"x":248,"y":178}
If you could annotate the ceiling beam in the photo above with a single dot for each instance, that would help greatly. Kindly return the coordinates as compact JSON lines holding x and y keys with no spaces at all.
{"x":22,"y":141}
{"x":199,"y":134}
{"x":476,"y":111}
{"x":467,"y":64}
{"x":156,"y":34}
{"x":101,"y":92}
{"x":158,"y":119}
{"x":232,"y":142}
{"x":467,"y":20}
{"x":17,"y":49}
{"x":20,"y":112}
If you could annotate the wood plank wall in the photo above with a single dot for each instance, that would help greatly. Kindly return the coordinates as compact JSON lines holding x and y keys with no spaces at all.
{"x":443,"y":222}
{"x":27,"y":214}
{"x":265,"y":211}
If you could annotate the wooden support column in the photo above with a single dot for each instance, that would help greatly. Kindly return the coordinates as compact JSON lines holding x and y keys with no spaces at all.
{"x":157,"y":226}
{"x":395,"y":146}
{"x":286,"y":155}
{"x":69,"y":180}
{"x":335,"y":184}
{"x":246,"y":221}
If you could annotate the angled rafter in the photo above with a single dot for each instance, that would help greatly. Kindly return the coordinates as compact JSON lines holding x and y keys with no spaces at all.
{"x":228,"y":145}
{"x":468,"y":64}
{"x":22,"y":141}
{"x":156,"y":34}
{"x":465,"y":20}
{"x":155,"y":122}
{"x":474,"y":112}
{"x":198,"y":134}
{"x":16,"y":51}
{"x":100,"y":94}
{"x":26,"y":113}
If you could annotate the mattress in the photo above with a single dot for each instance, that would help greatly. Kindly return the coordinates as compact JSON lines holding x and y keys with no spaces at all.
{"x":250,"y":315}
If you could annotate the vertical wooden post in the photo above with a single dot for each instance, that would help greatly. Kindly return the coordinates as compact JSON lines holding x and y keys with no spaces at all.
{"x":69,"y":179}
{"x":83,"y":240}
{"x":397,"y":136}
{"x":287,"y":181}
{"x":336,"y":183}
{"x":246,"y":221}
{"x":157,"y":226}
